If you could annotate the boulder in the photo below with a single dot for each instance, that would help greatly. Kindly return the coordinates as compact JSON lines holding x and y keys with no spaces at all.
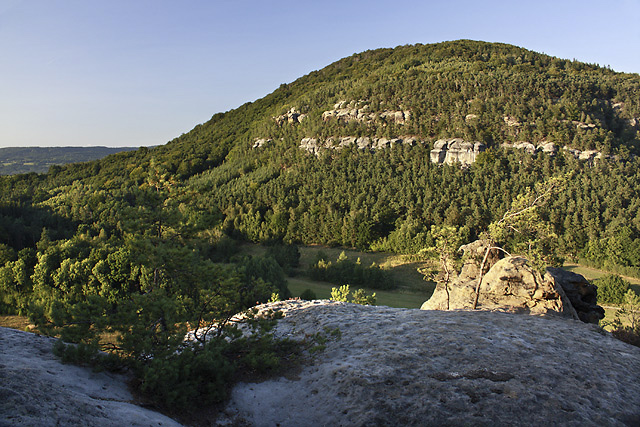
{"x":548,"y":148}
{"x":260,"y":142}
{"x":291,"y":117}
{"x":511,"y":285}
{"x":472,"y":259}
{"x":582,"y":294}
{"x":511,"y":121}
{"x":526,"y":146}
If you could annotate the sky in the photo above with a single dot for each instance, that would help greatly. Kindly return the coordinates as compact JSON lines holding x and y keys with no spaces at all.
{"x":140,"y":73}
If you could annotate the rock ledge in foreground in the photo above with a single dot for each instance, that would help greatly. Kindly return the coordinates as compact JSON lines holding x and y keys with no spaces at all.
{"x":416,"y":367}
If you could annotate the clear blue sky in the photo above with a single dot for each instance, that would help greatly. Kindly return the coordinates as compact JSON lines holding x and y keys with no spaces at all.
{"x":138,"y":72}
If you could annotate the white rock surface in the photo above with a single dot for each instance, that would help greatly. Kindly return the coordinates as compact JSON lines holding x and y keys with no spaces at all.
{"x":389,"y":367}
{"x":36,"y":389}
{"x":427,"y":368}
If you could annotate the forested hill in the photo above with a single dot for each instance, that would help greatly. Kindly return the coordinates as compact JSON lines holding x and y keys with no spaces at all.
{"x":14,"y":160}
{"x":243,"y":175}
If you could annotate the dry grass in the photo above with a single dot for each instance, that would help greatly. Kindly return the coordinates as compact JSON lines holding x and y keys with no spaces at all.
{"x":593,"y":273}
{"x":17,"y":322}
{"x":403,"y":270}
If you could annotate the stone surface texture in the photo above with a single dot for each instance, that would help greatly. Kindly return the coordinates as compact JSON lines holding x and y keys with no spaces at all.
{"x":511,"y":285}
{"x":378,"y":366}
{"x":455,"y":150}
{"x":36,"y":389}
{"x":444,"y":368}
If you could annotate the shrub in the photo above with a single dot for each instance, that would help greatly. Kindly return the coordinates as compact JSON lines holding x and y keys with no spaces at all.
{"x":188,"y":378}
{"x":626,"y":324}
{"x":359,"y":296}
{"x":611,"y":289}
{"x":340,"y":294}
{"x":308,"y":295}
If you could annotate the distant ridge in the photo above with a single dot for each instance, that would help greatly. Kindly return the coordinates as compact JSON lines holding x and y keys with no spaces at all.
{"x":16,"y":160}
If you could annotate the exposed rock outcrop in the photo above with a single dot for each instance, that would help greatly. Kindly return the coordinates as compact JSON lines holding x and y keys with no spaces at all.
{"x":360,"y":111}
{"x":511,"y":122}
{"x":588,"y":155}
{"x":548,"y":148}
{"x":456,"y":150}
{"x":440,"y":368}
{"x":261,"y":142}
{"x":291,"y":117}
{"x":315,"y":145}
{"x":513,"y":285}
{"x":36,"y":389}
{"x":378,"y":366}
{"x":582,"y":294}
{"x":545,"y":147}
{"x":551,"y":149}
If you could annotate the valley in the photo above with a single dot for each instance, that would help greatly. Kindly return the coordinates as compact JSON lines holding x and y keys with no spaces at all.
{"x":401,"y":155}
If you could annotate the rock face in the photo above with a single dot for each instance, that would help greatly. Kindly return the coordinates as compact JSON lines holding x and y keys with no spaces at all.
{"x":292,"y":116}
{"x":582,"y":294}
{"x":36,"y":389}
{"x":455,"y":150}
{"x":512,"y":285}
{"x":551,"y":149}
{"x":442,"y":368}
{"x":315,"y":145}
{"x":261,"y":142}
{"x":544,"y":147}
{"x":360,"y":111}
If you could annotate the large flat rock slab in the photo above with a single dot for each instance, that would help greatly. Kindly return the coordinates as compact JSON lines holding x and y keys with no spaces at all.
{"x":415,"y":367}
{"x":36,"y":389}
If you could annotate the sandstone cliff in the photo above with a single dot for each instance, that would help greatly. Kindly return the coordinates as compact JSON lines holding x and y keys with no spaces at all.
{"x":456,"y":150}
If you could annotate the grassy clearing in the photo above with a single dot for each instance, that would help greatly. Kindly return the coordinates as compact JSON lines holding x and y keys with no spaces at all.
{"x":402,"y":269}
{"x":412,"y":289}
{"x":398,"y":298}
{"x":593,"y":273}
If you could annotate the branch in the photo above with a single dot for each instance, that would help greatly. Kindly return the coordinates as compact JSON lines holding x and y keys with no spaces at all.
{"x":534,"y":204}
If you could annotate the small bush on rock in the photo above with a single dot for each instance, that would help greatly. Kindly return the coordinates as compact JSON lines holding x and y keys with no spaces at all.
{"x":308,"y":295}
{"x":359,"y":296}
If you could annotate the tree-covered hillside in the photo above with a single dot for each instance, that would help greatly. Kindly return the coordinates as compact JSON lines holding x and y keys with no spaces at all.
{"x":146,"y":238}
{"x":389,"y":198}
